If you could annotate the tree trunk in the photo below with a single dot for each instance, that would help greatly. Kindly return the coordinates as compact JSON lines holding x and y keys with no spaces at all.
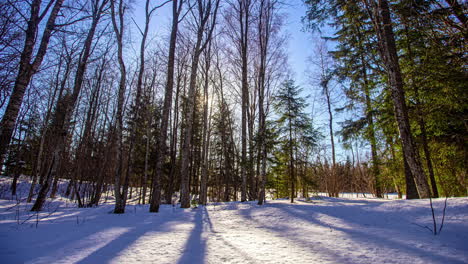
{"x":205,"y":136}
{"x":411,"y":190}
{"x":65,"y":107}
{"x":173,"y":147}
{"x":421,"y":121}
{"x":371,"y":130}
{"x":145,"y":173}
{"x":15,"y":180}
{"x":189,"y":112}
{"x":162,"y":137}
{"x":120,"y":190}
{"x":41,"y":197}
{"x":26,"y":69}
{"x":388,"y":51}
{"x":133,"y":134}
{"x":264,"y":29}
{"x":244,"y":27}
{"x":205,"y":11}
{"x":40,"y":155}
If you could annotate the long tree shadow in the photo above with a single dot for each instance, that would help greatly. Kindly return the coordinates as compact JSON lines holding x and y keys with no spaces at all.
{"x":383,"y":219}
{"x":101,"y":238}
{"x":367,"y":213}
{"x":285,"y":233}
{"x":352,"y":215}
{"x":126,"y":240}
{"x":207,"y":220}
{"x":195,"y":248}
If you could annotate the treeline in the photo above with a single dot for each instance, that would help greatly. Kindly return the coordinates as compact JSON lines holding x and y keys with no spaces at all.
{"x":89,"y":94}
{"x":79,"y":104}
{"x":402,"y":66}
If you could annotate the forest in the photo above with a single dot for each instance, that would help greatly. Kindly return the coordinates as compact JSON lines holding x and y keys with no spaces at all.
{"x":210,"y":110}
{"x":233,"y":131}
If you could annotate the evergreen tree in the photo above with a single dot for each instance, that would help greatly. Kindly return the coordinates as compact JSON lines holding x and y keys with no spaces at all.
{"x":294,"y":126}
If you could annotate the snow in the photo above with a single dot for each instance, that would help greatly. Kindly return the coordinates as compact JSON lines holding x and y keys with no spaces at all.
{"x":325,"y":230}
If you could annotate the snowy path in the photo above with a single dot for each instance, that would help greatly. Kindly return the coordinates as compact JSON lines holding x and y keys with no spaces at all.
{"x":325,"y":231}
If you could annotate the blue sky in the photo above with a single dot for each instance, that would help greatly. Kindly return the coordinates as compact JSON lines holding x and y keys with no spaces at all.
{"x":300,"y":49}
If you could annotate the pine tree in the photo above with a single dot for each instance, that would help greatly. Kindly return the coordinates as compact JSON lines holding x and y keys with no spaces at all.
{"x":293,"y":126}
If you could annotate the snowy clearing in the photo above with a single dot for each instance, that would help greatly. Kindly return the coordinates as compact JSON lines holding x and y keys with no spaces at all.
{"x":327,"y":230}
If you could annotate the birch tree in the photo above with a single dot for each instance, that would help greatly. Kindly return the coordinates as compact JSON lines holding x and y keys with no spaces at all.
{"x":31,"y":59}
{"x":206,"y":20}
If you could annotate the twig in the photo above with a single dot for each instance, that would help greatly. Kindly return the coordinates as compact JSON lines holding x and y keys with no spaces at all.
{"x":37,"y":216}
{"x":55,"y":210}
{"x":443,"y":216}
{"x":18,"y":202}
{"x":27,"y":219}
{"x":433,"y":217}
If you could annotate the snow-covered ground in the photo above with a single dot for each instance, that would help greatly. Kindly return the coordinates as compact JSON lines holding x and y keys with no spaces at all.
{"x":327,"y":230}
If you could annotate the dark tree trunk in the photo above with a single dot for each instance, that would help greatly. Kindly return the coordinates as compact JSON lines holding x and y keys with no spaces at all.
{"x":15,"y":181}
{"x":65,"y":107}
{"x":411,"y":190}
{"x":26,"y":69}
{"x":383,"y":26}
{"x":133,"y":135}
{"x":206,"y":134}
{"x":187,"y":137}
{"x":244,"y":27}
{"x":292,"y":176}
{"x":421,"y":121}
{"x":162,"y":138}
{"x":145,"y":173}
{"x":40,"y":155}
{"x":41,"y":197}
{"x":264,"y":29}
{"x":372,"y":139}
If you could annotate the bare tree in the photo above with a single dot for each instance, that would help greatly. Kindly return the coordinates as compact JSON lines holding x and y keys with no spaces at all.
{"x":206,"y":126}
{"x":244,"y":16}
{"x":177,"y":6}
{"x":325,"y":81}
{"x":120,"y":191}
{"x":10,"y":46}
{"x":206,"y":21}
{"x":66,"y":105}
{"x":28,"y":65}
{"x":266,"y":15}
{"x":64,"y":69}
